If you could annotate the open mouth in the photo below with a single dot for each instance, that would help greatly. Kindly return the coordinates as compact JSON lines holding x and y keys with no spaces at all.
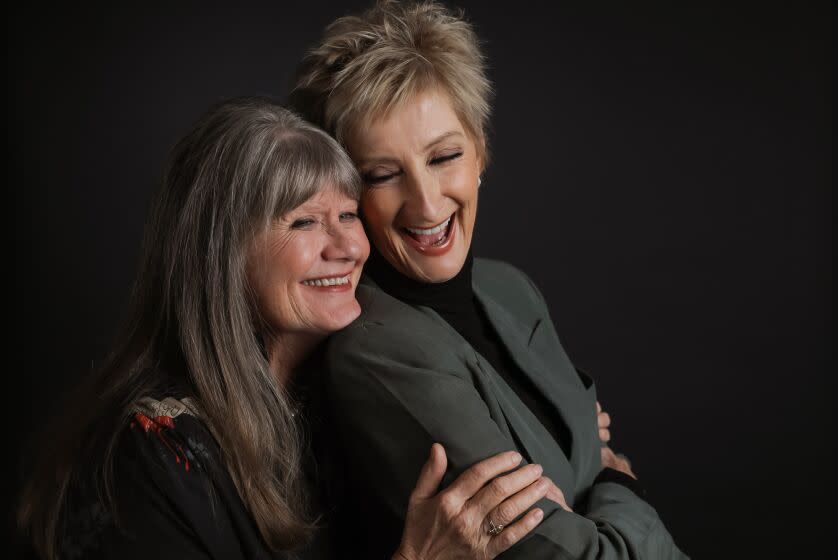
{"x":428,"y":239}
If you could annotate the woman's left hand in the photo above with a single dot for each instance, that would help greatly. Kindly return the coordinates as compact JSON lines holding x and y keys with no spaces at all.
{"x":612,"y":460}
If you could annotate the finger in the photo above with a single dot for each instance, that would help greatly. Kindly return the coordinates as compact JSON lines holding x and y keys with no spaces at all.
{"x":604,"y":435}
{"x":598,"y":407}
{"x":623,"y":458}
{"x":515,"y":532}
{"x":603,"y":420}
{"x":431,"y":474}
{"x":555,"y":494}
{"x":479,"y":474}
{"x":508,"y":510}
{"x":501,"y":488}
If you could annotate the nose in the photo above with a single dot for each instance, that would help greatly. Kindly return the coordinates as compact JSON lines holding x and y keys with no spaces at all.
{"x":345,"y":243}
{"x":424,"y":200}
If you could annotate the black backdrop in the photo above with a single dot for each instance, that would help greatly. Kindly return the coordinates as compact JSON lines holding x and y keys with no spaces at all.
{"x":663,"y":173}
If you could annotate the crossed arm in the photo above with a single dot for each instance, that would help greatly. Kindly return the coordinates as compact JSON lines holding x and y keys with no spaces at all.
{"x":394,"y":406}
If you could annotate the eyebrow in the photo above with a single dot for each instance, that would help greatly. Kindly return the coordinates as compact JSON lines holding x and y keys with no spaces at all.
{"x":428,"y":146}
{"x":441,"y":137}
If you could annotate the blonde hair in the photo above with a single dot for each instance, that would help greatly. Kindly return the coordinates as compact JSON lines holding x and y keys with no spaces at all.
{"x":366,"y":65}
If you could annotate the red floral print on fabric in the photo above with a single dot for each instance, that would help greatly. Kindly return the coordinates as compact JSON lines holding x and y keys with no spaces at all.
{"x":159,"y":425}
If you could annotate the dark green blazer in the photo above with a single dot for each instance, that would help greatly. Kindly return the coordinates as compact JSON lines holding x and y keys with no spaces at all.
{"x":400,"y":378}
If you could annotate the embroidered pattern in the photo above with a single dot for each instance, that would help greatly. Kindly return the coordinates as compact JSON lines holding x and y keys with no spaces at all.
{"x":158,"y":418}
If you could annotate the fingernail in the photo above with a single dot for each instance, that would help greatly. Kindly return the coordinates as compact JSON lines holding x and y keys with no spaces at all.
{"x":539,"y":514}
{"x":515,"y":457}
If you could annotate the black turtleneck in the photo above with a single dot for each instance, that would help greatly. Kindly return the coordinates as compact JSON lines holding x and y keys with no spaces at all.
{"x":454,"y":301}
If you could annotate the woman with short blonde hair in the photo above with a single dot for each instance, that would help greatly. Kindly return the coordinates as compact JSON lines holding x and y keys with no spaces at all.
{"x":366,"y":66}
{"x":449,"y":347}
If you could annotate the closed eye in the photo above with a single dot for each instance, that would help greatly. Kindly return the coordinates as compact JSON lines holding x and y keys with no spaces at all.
{"x":376,"y":179}
{"x":443,"y":159}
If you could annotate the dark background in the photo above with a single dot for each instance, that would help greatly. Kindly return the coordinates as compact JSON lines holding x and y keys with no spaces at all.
{"x":662,"y":172}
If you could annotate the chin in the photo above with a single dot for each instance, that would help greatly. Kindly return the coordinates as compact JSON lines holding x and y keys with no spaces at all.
{"x":340,"y":318}
{"x":440,"y":270}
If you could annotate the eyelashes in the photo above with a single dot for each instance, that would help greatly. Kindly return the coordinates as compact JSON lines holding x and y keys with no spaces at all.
{"x":302,"y":223}
{"x":309,"y":223}
{"x":378,"y":179}
{"x":443,"y":159}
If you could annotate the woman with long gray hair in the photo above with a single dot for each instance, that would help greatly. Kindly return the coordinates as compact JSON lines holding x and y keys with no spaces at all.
{"x":189,"y":441}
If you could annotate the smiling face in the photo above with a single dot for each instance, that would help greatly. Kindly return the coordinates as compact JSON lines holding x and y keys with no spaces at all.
{"x":421,"y":169}
{"x":303,"y":271}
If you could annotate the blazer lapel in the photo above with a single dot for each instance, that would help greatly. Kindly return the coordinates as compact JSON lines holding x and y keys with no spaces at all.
{"x":516,"y":337}
{"x":566,"y":398}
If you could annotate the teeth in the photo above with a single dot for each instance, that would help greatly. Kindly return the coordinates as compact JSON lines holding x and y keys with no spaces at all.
{"x":333,"y":281}
{"x":430,"y":231}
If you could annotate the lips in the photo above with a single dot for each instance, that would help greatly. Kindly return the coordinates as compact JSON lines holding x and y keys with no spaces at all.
{"x":433,"y":241}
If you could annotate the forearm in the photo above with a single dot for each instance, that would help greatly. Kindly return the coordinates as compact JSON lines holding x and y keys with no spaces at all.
{"x":613,"y":524}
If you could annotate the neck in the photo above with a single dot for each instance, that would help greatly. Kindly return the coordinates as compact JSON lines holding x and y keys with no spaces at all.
{"x":286,"y":351}
{"x":454,"y":294}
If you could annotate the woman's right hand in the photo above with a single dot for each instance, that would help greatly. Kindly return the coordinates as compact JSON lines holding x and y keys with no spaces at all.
{"x":456,"y":522}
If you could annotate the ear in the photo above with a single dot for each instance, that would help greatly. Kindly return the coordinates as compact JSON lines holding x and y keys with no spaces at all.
{"x":481,"y":155}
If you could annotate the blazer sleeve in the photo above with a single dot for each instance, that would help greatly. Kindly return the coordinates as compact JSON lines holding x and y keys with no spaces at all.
{"x":394,"y":393}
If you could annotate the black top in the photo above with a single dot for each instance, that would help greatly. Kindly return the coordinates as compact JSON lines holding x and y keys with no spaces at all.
{"x":174,"y":498}
{"x":454,"y":301}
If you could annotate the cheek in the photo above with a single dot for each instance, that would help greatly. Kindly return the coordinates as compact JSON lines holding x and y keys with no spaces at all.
{"x":285,"y":268}
{"x":299,"y":256}
{"x":462,"y":185}
{"x":362,"y":242}
{"x":380,"y":207}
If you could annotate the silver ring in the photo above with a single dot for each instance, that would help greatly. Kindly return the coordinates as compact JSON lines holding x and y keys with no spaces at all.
{"x":494,"y":529}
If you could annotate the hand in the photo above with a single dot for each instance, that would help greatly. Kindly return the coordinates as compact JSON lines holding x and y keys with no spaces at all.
{"x":603,"y":421}
{"x":612,"y":460}
{"x":616,"y":462}
{"x":455,"y":522}
{"x":555,"y":494}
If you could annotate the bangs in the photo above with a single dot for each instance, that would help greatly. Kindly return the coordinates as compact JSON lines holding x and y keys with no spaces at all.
{"x":303,"y":163}
{"x":391,"y":88}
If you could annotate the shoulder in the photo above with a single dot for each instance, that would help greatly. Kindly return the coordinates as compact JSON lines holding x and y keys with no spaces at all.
{"x":392,"y":348}
{"x":162,"y":474}
{"x":167,"y":435}
{"x":388,"y":327}
{"x":507,"y":285}
{"x":165,"y":452}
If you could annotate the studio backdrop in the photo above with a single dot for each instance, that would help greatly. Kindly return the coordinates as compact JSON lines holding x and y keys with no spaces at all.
{"x":662,"y":172}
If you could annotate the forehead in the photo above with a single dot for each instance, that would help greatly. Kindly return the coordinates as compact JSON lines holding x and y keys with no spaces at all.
{"x":326,"y":199}
{"x":411,"y":124}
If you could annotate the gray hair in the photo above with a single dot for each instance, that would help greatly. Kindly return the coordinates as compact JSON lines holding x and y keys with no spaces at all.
{"x":244,"y":163}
